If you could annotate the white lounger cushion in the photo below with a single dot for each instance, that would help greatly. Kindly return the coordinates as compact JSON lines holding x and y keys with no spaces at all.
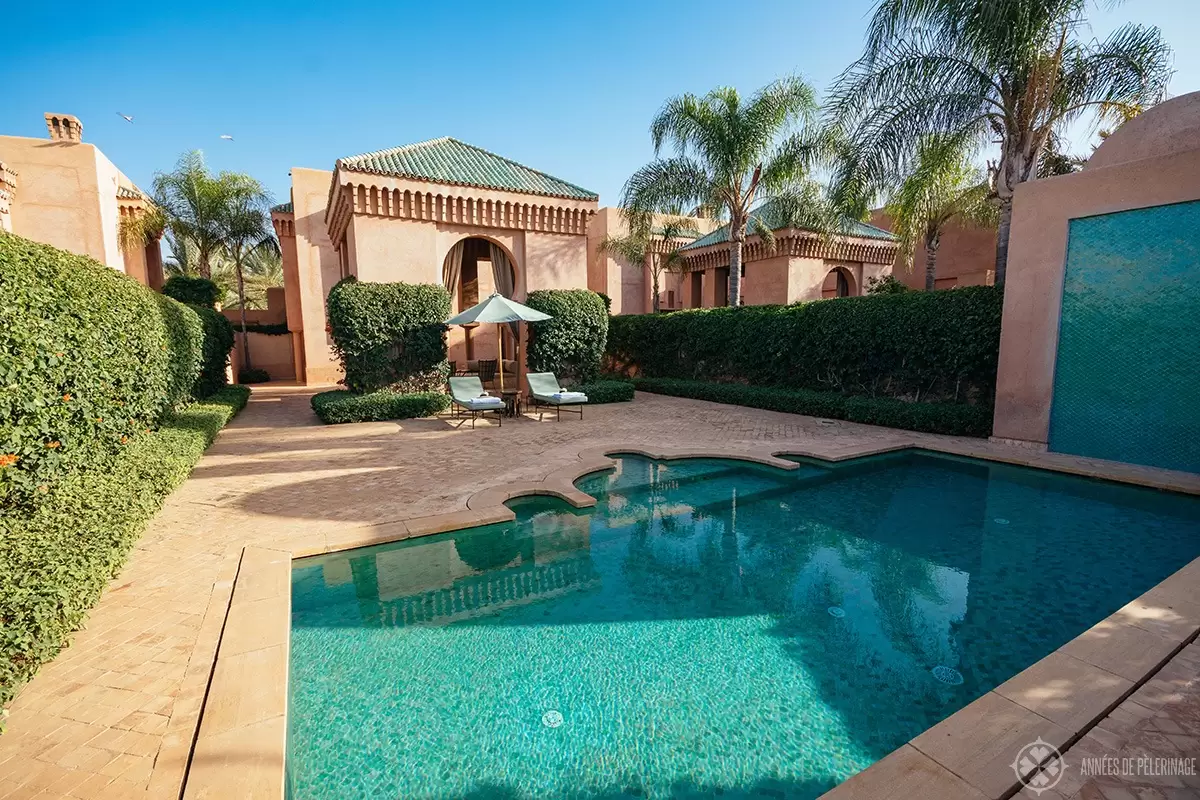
{"x":570,"y":397}
{"x":476,"y":403}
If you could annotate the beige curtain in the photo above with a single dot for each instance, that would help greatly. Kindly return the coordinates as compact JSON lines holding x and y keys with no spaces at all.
{"x":502,"y":270}
{"x":502,"y":274}
{"x":452,"y":268}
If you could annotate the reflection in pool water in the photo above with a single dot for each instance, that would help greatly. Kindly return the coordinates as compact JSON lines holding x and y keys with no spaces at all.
{"x":710,"y":626}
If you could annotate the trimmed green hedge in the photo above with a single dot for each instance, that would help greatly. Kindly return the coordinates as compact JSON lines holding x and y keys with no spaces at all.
{"x":192,"y":291}
{"x":607,"y":391}
{"x":218,"y":341}
{"x":571,"y":345}
{"x":953,"y":418}
{"x":91,"y":359}
{"x":390,"y":335}
{"x":340,"y":405}
{"x":922,"y":346}
{"x":56,"y":560}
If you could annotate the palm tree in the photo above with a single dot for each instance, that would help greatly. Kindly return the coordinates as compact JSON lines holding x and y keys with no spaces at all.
{"x":731,"y":156}
{"x":262,"y":270}
{"x":195,"y":204}
{"x":642,"y":245}
{"x":245,"y":229}
{"x":1010,"y":72}
{"x":943,"y":186}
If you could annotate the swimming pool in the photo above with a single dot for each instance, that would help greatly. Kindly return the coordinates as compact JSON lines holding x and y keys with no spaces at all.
{"x":710,"y":626}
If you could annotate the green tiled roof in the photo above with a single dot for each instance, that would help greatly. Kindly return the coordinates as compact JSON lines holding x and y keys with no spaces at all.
{"x":282,"y":208}
{"x":448,"y":160}
{"x":769,"y":215}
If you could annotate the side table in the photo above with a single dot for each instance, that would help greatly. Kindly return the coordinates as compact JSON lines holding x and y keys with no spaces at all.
{"x":512,"y":402}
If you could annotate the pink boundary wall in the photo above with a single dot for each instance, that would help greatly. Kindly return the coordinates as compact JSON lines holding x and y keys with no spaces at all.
{"x":1152,"y":160}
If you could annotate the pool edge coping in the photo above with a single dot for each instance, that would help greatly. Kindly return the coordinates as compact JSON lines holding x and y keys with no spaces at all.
{"x":241,"y":737}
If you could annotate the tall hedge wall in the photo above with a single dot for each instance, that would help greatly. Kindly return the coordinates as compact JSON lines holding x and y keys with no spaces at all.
{"x":91,"y":359}
{"x":390,"y":335}
{"x":218,"y":342}
{"x":925,"y":346}
{"x":571,"y":345}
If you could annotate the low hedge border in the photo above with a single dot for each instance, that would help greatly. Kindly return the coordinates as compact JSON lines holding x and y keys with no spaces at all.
{"x":607,"y":391}
{"x":951,"y":418}
{"x":56,"y":560}
{"x":342,"y":405}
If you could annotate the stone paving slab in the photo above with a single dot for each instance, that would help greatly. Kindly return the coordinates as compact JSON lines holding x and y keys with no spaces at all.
{"x":115,"y":715}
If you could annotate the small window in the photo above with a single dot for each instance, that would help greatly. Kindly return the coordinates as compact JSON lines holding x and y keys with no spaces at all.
{"x":670,"y":299}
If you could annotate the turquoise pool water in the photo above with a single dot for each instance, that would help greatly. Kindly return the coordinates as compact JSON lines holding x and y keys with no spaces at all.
{"x":709,"y":628}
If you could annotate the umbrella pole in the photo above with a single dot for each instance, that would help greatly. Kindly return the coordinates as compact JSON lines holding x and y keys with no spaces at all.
{"x":500,"y":334}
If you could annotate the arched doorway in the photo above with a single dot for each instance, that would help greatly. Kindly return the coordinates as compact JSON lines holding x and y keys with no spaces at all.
{"x":839,"y":283}
{"x":472,"y":270}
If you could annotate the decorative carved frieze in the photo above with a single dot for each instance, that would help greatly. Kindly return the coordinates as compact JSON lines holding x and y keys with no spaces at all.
{"x":796,"y":244}
{"x":284,"y":223}
{"x":462,"y":207}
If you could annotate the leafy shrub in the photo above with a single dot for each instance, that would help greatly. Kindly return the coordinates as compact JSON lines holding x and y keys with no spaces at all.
{"x":55,"y":559}
{"x":340,"y":405}
{"x":915,"y":345}
{"x":185,"y":348}
{"x":218,"y":341}
{"x":952,"y":418}
{"x":253,"y":375}
{"x":91,"y":359}
{"x":571,"y":344}
{"x":607,"y":391}
{"x":192,"y":291}
{"x":607,"y":302}
{"x":390,"y":335}
{"x":888,"y":284}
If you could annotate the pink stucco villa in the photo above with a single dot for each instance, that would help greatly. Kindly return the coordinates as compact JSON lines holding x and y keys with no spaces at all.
{"x":65,"y":192}
{"x":443,"y":211}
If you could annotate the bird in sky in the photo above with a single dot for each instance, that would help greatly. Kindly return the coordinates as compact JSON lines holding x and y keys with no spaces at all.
{"x":127,"y":117}
{"x":226,"y":137}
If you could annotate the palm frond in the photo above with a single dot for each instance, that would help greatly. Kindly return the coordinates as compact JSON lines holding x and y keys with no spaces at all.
{"x":759,"y":227}
{"x":942,"y":185}
{"x":678,"y":181}
{"x":1116,"y":78}
{"x":631,"y":248}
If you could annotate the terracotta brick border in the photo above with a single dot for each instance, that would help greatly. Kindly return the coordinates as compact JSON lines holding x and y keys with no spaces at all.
{"x":240,"y":747}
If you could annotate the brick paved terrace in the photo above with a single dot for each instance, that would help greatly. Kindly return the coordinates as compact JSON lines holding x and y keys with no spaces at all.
{"x":115,"y":715}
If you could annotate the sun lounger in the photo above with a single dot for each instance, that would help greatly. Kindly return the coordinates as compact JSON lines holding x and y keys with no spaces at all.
{"x":544,"y":390}
{"x":468,"y":396}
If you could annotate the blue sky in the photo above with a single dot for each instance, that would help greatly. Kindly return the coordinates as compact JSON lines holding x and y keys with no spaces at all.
{"x":568,"y":88}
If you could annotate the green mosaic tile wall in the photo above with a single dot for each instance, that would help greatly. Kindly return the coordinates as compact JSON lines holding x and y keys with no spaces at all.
{"x":1127,"y":379}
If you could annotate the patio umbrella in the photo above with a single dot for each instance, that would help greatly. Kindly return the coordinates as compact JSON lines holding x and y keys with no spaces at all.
{"x":498,"y":309}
